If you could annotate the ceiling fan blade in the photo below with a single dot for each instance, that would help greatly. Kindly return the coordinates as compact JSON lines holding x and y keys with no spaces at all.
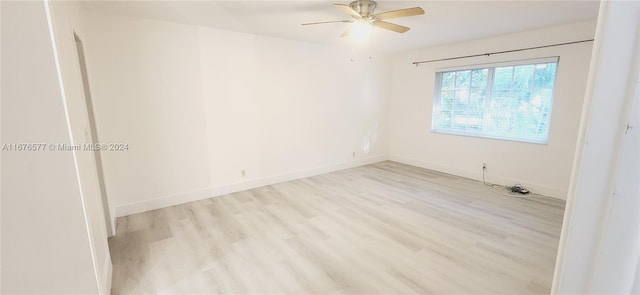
{"x":390,"y":26}
{"x":348,"y":10}
{"x":327,"y":22}
{"x":399,"y":13}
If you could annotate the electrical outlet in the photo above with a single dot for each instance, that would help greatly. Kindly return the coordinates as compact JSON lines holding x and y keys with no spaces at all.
{"x":243,"y":172}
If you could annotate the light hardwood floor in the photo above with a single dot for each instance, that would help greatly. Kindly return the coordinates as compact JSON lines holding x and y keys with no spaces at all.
{"x":385,"y":228}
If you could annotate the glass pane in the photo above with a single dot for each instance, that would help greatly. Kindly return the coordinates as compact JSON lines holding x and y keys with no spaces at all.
{"x":502,"y":77}
{"x":501,"y":95}
{"x":479,"y":78}
{"x":462,"y":96}
{"x":463,"y":79}
{"x":478,"y":94}
{"x":523,"y":76}
{"x":446,"y":102}
{"x":446,"y":95}
{"x":545,"y":75}
{"x":520,"y":95}
{"x":541,"y":99}
{"x":444,"y":119}
{"x":476,"y":100}
{"x":447,"y":80}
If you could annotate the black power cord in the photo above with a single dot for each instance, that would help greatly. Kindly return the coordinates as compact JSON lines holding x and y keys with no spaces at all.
{"x":519,"y":189}
{"x":512,"y":190}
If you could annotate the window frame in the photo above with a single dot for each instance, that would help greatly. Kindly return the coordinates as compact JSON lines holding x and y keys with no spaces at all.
{"x":436,"y":106}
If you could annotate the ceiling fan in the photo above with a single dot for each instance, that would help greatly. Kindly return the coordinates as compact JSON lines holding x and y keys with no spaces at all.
{"x":363,"y":17}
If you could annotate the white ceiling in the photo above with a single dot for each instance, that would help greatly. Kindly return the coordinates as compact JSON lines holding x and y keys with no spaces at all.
{"x":444,"y":21}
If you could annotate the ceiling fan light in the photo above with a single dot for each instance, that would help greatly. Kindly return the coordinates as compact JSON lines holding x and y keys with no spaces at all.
{"x":361,"y":29}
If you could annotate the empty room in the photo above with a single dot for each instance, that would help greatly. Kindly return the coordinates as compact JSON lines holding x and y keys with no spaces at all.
{"x":320,"y":147}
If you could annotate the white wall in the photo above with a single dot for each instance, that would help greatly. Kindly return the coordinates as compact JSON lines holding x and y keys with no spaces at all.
{"x":147,"y":93}
{"x":199,"y":105}
{"x":45,"y":238}
{"x":599,"y":250}
{"x":543,"y":169}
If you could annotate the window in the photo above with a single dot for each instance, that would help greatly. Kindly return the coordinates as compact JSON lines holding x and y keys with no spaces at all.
{"x":506,"y":101}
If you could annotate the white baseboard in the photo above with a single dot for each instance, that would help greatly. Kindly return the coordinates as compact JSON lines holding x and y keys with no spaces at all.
{"x":204,"y":193}
{"x":497,"y":179}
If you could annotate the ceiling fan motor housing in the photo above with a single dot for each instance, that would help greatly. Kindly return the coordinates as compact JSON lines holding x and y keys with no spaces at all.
{"x":364,"y":7}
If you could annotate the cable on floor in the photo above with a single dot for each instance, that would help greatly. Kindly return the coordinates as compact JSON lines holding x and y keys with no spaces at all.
{"x":514,"y":191}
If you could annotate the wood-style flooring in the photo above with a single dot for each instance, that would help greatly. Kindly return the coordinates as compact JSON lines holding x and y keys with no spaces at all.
{"x":386,"y":228}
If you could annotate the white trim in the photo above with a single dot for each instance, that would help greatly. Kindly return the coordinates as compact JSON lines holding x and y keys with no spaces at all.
{"x":457,"y":132}
{"x":107,"y":275}
{"x":205,"y":193}
{"x":507,"y":63}
{"x":112,"y":223}
{"x":553,"y":192}
{"x":73,"y":152}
